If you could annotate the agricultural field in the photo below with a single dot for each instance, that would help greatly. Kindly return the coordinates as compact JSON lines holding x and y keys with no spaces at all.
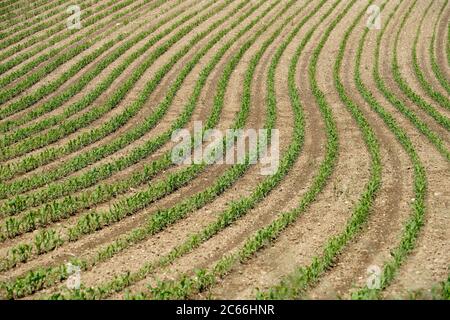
{"x":350,"y":99}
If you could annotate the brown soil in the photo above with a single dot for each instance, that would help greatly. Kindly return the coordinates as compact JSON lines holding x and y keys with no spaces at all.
{"x":328,"y":214}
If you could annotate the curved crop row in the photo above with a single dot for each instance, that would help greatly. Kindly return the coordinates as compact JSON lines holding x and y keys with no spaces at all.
{"x":39,"y":27}
{"x":74,"y":89}
{"x":435,"y":95}
{"x":31,"y":20}
{"x":70,"y":205}
{"x":91,"y":177}
{"x":17,"y":57}
{"x":33,"y":39}
{"x":414,"y":224}
{"x":438,"y":72}
{"x":88,"y":179}
{"x":141,"y":199}
{"x":20,"y":86}
{"x":401,"y":107}
{"x":187,"y":286}
{"x":28,"y":100}
{"x":51,"y":154}
{"x":39,"y":59}
{"x":293,"y":285}
{"x":108,"y":8}
{"x":163,"y":217}
{"x":14,"y":5}
{"x":409,"y":92}
{"x":39,"y":7}
{"x":7,"y":12}
{"x":236,"y":209}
